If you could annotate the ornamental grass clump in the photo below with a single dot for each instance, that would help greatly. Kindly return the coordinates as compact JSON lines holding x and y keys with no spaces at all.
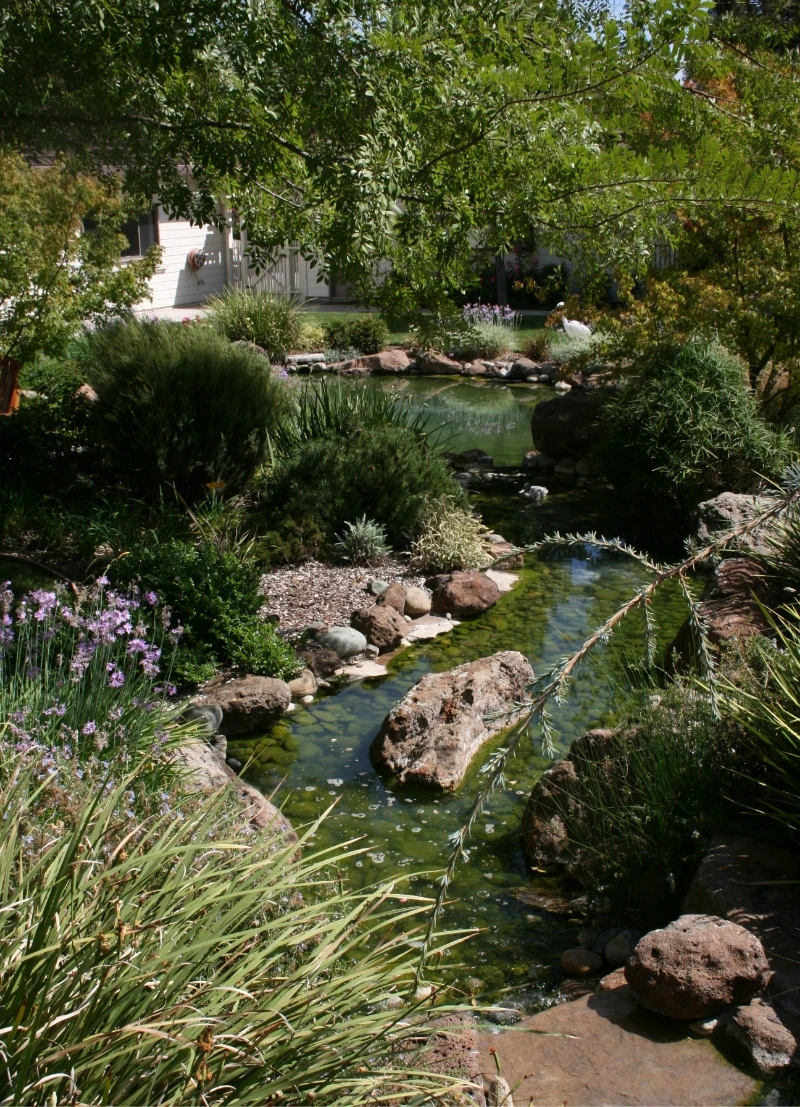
{"x":173,"y":964}
{"x":451,"y":537}
{"x":271,"y":321}
{"x":491,"y":331}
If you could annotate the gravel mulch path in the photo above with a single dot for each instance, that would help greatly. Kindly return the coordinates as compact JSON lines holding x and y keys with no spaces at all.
{"x":316,"y":592}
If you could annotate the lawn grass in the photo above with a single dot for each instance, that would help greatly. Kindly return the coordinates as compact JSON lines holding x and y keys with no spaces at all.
{"x":403,"y":338}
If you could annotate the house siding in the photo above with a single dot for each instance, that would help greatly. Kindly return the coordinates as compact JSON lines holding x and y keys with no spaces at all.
{"x":175,"y":284}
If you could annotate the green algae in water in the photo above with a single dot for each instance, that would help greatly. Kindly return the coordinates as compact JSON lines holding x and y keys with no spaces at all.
{"x":322,"y":750}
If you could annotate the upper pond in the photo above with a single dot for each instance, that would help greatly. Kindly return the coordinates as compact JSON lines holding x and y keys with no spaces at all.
{"x":321,"y":752}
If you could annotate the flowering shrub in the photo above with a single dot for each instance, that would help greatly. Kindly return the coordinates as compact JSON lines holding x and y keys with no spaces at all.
{"x":490,"y":313}
{"x":85,"y":677}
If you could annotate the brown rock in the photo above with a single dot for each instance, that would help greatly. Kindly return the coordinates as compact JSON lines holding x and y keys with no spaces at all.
{"x":433,"y":733}
{"x":206,"y":771}
{"x":696,"y":966}
{"x":555,"y":796}
{"x":249,"y":703}
{"x":730,"y":510}
{"x":393,"y":596}
{"x":580,"y":962}
{"x":322,"y":663}
{"x":418,"y":602}
{"x":606,"y":1049}
{"x":770,"y":1044}
{"x":431,"y":364}
{"x":729,"y":607}
{"x":567,"y":426}
{"x":505,"y":551}
{"x":386,"y":362}
{"x":303,"y":685}
{"x":462,"y":593}
{"x":523,"y":368}
{"x":472,"y":459}
{"x":381,"y":625}
{"x":756,"y":884}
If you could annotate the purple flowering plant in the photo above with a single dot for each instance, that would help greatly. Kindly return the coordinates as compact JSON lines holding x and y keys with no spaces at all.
{"x":85,"y":675}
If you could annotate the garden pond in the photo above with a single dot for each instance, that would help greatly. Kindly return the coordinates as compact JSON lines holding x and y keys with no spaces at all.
{"x":319,"y":755}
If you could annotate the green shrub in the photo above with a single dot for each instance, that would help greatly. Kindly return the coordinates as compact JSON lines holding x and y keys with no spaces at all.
{"x":196,"y":965}
{"x":489,"y":340}
{"x":180,"y":404}
{"x":368,"y":333}
{"x":272,"y":321}
{"x":536,"y":346}
{"x":48,"y":439}
{"x":363,"y":543}
{"x":385,"y":472}
{"x":215,"y":595}
{"x":451,"y":537}
{"x":444,"y":332}
{"x":685,"y":427}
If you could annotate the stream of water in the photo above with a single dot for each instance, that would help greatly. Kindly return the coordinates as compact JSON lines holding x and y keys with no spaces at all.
{"x":321,"y":752}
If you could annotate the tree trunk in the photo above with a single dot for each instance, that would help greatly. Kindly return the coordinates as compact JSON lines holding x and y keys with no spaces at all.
{"x":500,"y":279}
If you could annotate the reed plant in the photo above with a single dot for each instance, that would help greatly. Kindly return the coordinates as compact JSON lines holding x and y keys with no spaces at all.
{"x":269,"y":320}
{"x":170,"y":964}
{"x":330,"y":410}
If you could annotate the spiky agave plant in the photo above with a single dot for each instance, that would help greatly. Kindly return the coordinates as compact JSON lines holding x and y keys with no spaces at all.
{"x":173,"y":966}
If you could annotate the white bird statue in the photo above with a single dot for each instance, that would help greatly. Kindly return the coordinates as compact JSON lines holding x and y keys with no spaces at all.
{"x":534,"y":492}
{"x":573,"y":328}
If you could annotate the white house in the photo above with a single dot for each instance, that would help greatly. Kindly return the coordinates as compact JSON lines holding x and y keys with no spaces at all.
{"x":197,"y":262}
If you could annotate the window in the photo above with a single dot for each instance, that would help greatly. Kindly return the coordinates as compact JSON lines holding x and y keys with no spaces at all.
{"x":141,"y":233}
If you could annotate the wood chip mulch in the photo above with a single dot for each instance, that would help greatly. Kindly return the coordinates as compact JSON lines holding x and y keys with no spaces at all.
{"x":317,"y":592}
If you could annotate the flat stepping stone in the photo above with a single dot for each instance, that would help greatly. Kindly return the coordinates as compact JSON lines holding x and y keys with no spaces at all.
{"x":363,"y":670}
{"x":429,"y":626}
{"x":604,"y":1049}
{"x":504,"y":581}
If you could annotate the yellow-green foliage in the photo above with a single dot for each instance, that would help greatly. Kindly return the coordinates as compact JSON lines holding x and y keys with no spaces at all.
{"x":451,"y":538}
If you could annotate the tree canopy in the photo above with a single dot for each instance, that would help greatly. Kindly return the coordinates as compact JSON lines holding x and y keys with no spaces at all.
{"x":413,"y":133}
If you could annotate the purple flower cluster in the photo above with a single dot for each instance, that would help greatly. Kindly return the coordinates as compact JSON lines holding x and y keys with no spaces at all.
{"x":489,"y":313}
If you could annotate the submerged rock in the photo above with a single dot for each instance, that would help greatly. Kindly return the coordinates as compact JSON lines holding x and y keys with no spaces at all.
{"x":697,"y":966}
{"x":580,"y":962}
{"x":465,"y":592}
{"x":249,"y":703}
{"x":432,"y":734}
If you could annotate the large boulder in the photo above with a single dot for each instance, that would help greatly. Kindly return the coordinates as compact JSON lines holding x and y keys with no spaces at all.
{"x":566,"y":426}
{"x":697,"y":966}
{"x":432,"y":364}
{"x":344,"y":641}
{"x":418,"y":602}
{"x":388,"y":362}
{"x":465,"y":592}
{"x":381,"y":625}
{"x":249,"y":703}
{"x":555,"y":798}
{"x":730,"y":510}
{"x":432,"y":734}
{"x":393,"y":596}
{"x":731,"y":607}
{"x":206,"y":771}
